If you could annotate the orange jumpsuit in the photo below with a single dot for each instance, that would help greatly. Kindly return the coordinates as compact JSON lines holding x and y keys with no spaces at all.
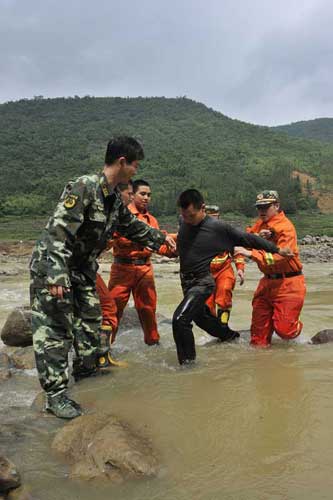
{"x":279,"y":298}
{"x":108,"y":304}
{"x":132,"y":271}
{"x":224,"y":276}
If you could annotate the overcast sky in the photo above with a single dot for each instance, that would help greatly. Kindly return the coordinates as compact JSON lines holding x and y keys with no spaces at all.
{"x":261,"y":61}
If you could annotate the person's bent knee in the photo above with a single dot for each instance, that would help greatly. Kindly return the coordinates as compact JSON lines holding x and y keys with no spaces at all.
{"x":287,"y":331}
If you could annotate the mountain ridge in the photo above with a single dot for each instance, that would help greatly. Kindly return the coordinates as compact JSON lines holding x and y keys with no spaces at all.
{"x":45,"y":142}
{"x":320,"y":129}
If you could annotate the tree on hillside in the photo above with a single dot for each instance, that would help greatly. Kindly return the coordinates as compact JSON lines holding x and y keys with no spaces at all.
{"x":45,"y":142}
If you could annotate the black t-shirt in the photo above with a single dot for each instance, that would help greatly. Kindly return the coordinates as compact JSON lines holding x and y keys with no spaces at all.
{"x":198,"y":245}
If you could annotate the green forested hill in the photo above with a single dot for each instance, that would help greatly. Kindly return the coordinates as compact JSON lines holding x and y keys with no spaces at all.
{"x":320,"y":129}
{"x":45,"y":142}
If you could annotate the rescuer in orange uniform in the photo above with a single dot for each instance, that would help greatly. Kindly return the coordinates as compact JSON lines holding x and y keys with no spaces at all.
{"x":109,"y":324}
{"x":132,"y":270}
{"x":220,"y":302}
{"x":108,"y":305}
{"x":279,"y":298}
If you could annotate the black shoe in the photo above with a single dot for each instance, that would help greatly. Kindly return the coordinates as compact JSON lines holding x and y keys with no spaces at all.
{"x":62,"y":406}
{"x":81,"y":371}
{"x":229,"y":336}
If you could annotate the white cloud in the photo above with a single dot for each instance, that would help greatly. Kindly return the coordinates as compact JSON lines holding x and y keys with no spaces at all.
{"x":262,"y":61}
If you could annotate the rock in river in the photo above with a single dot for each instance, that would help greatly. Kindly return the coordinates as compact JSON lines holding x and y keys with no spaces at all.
{"x":9,"y":477}
{"x":17,"y":329}
{"x":323,"y":337}
{"x":102,"y":446}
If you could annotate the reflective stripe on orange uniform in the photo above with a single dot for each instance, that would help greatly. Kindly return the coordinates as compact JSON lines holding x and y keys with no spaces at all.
{"x":277,"y":303}
{"x":224,"y":276}
{"x":138,"y":279}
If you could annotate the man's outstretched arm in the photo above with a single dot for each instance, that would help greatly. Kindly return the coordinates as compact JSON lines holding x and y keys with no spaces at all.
{"x":247,"y":240}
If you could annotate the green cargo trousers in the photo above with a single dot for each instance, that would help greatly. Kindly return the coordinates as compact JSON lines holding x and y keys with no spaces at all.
{"x":59,"y":324}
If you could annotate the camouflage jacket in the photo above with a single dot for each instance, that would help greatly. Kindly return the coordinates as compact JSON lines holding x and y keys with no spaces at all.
{"x":88,"y":213}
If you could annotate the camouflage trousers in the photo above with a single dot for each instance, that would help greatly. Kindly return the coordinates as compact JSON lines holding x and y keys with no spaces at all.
{"x":59,"y":324}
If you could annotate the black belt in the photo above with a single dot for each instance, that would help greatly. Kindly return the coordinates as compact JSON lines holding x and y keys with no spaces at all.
{"x":134,"y":262}
{"x":279,"y":276}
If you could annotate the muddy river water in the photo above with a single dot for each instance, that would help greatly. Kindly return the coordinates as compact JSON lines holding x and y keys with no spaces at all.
{"x":242,"y":425}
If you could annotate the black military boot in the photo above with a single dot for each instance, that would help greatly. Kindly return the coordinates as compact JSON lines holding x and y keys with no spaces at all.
{"x":84,"y":368}
{"x":62,"y":406}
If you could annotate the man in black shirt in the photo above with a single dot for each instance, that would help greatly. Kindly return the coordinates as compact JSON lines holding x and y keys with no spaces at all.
{"x":200,"y":239}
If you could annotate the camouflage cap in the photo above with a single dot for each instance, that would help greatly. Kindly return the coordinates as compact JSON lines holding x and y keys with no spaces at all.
{"x":212,"y":209}
{"x":267,"y":197}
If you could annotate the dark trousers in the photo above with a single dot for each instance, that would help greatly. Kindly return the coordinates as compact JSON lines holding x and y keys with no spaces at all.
{"x":193,"y":308}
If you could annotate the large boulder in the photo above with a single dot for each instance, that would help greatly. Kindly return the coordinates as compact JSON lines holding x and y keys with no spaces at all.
{"x":17,"y":328}
{"x":9,"y":476}
{"x":130,"y":319}
{"x":322,"y":337}
{"x":102,"y":446}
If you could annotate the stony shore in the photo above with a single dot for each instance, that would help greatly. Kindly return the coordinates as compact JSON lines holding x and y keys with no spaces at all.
{"x":316,"y":248}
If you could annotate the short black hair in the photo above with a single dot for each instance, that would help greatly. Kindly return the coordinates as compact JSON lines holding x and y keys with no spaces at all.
{"x":190,"y":197}
{"x":122,"y":186}
{"x":125,"y":146}
{"x":139,"y":182}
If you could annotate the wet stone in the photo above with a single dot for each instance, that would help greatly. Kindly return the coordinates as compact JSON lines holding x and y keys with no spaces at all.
{"x":100,"y":446}
{"x":17,"y":328}
{"x":9,"y":476}
{"x":323,"y":337}
{"x":130,"y":319}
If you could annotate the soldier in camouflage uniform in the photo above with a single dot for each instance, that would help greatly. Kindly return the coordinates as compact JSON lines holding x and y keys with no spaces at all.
{"x":65,"y":307}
